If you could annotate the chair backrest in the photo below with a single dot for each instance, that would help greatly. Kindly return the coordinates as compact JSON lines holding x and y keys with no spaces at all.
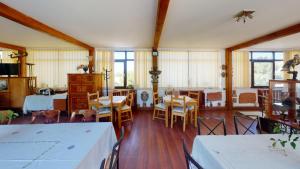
{"x":178,"y":102}
{"x":155,"y":98}
{"x":246,"y":123}
{"x":194,"y":95}
{"x":114,"y":159}
{"x":102,"y":164}
{"x":129,"y":99}
{"x":190,"y":162}
{"x":117,"y":93}
{"x":92,"y":98}
{"x":211,"y":124}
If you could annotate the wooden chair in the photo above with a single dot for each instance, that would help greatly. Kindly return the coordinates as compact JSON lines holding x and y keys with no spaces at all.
{"x":196,"y":97}
{"x":113,"y":160}
{"x":103,"y":110}
{"x":125,"y":111}
{"x":117,"y":93}
{"x":179,"y":108}
{"x":191,"y":163}
{"x":211,"y":124}
{"x":88,"y":115}
{"x":160,"y":109}
{"x":51,"y":116}
{"x":243,"y":121}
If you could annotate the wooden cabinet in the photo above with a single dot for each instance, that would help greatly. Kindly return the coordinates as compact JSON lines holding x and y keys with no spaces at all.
{"x":17,"y":89}
{"x":78,"y":87}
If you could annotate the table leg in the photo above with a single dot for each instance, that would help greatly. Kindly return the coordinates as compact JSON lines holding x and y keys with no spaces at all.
{"x":195,"y":115}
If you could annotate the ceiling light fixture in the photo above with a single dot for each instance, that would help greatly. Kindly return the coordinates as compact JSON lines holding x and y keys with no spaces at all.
{"x":243,"y":16}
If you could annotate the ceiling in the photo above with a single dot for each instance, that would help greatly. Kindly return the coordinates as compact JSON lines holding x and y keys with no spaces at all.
{"x":206,"y":24}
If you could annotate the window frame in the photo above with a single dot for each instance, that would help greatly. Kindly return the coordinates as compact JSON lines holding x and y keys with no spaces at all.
{"x":273,"y":61}
{"x":124,"y":61}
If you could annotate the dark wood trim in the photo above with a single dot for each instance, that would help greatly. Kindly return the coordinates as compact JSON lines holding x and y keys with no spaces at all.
{"x":92,"y":60}
{"x":160,"y":20}
{"x":10,"y":46}
{"x":23,"y":71}
{"x":228,"y":79}
{"x":17,"y":16}
{"x":271,"y":36}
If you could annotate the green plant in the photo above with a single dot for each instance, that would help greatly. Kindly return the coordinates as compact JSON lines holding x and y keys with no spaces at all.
{"x":7,"y":115}
{"x":292,"y":139}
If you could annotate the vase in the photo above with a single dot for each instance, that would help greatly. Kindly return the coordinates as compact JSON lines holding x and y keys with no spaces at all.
{"x":85,"y":69}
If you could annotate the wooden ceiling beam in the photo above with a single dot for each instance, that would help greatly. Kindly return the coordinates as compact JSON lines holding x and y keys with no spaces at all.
{"x":17,"y":16}
{"x":10,"y":46}
{"x":160,"y":20}
{"x":271,"y":36}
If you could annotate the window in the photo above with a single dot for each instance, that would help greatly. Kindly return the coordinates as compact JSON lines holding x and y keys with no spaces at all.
{"x":124,"y":69}
{"x":265,"y":66}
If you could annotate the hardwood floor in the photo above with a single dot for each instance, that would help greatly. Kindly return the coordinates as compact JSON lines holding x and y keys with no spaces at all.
{"x":148,"y":144}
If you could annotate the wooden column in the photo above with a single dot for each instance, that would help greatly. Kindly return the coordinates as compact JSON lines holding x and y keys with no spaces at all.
{"x":154,"y":65}
{"x":91,"y":60}
{"x":23,"y":71}
{"x":228,"y":63}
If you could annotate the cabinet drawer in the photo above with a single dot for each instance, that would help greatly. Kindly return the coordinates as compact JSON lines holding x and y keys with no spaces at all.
{"x":79,"y":103}
{"x":88,"y":88}
{"x":87,"y":79}
{"x":74,"y":88}
{"x":75,"y":79}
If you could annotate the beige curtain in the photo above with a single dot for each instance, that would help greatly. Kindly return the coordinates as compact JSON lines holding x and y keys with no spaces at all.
{"x":205,"y":69}
{"x":105,"y":59}
{"x":52,"y":65}
{"x":143,"y":64}
{"x":174,"y":67}
{"x":287,"y":56}
{"x":5,"y":58}
{"x":241,"y":69}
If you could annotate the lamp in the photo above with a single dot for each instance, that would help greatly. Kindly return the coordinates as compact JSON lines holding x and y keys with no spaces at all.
{"x":244,"y":15}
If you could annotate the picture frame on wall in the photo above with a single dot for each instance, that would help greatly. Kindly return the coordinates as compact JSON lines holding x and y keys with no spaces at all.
{"x":3,"y":85}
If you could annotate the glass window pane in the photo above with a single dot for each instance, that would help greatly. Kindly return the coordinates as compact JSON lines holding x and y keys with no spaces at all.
{"x":119,"y":73}
{"x":262,"y":73}
{"x":278,"y":72}
{"x":130,"y":73}
{"x":262,"y":55}
{"x":130,"y":55}
{"x":278,"y":55}
{"x":119,"y":55}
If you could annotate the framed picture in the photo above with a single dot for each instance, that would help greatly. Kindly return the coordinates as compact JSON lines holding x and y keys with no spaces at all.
{"x":3,"y":85}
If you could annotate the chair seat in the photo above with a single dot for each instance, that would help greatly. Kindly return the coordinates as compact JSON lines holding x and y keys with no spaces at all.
{"x":179,"y":110}
{"x":161,"y":106}
{"x":123,"y":108}
{"x":103,"y":110}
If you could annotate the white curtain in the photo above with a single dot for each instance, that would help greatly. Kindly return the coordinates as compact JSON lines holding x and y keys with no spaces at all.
{"x":52,"y":65}
{"x":5,"y":58}
{"x":143,"y":64}
{"x":241,"y":69}
{"x":105,"y":59}
{"x":205,"y":69}
{"x":174,"y":67}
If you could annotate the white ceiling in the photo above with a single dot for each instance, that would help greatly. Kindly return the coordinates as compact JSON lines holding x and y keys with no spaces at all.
{"x":206,"y":24}
{"x":99,"y":23}
{"x":210,"y":23}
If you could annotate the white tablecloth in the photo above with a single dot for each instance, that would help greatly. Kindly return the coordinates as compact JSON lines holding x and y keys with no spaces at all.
{"x":116,"y":100}
{"x":41,"y":102}
{"x":243,"y":152}
{"x":55,"y":146}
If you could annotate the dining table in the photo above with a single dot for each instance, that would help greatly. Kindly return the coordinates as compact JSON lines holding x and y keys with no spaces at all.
{"x":59,"y":146}
{"x":117,"y":100}
{"x":189,"y":102}
{"x":244,"y":152}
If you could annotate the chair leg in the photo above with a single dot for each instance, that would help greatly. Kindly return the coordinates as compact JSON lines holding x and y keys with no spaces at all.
{"x":97,"y":119}
{"x":131,"y":115}
{"x":119,"y":119}
{"x":172,"y":120}
{"x":184,"y":121}
{"x":166,"y":118}
{"x":153,"y":114}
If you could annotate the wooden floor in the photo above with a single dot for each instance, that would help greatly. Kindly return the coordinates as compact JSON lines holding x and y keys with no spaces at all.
{"x":148,"y":144}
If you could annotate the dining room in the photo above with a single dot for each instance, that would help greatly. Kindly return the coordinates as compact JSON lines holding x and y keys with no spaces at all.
{"x":139,"y":84}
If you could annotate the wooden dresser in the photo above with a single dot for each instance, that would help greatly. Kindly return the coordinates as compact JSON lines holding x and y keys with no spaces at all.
{"x":78,"y":87}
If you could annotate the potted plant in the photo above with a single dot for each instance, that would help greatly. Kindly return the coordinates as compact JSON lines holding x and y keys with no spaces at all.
{"x":292,"y":138}
{"x":6,"y":116}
